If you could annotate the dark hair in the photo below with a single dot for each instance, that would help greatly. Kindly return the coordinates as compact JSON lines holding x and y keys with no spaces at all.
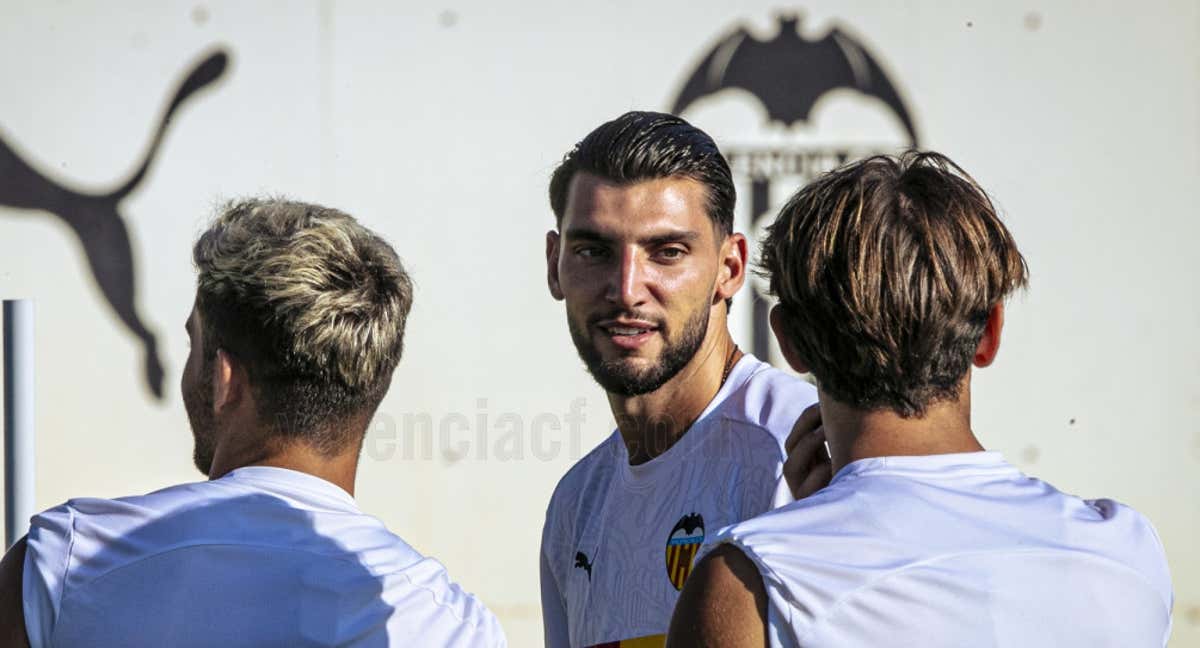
{"x":312,"y":304}
{"x":642,"y":145}
{"x":885,"y":271}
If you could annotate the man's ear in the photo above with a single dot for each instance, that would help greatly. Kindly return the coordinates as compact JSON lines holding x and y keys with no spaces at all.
{"x":229,"y":382}
{"x":552,"y":241}
{"x":732,"y":275}
{"x":785,"y":343}
{"x":989,"y":344}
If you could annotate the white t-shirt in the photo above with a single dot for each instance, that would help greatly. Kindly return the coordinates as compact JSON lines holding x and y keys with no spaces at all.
{"x":956,"y":550}
{"x":260,"y":557}
{"x":620,"y":539}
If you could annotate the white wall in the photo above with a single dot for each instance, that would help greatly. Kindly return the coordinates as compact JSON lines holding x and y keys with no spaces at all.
{"x":438,"y":125}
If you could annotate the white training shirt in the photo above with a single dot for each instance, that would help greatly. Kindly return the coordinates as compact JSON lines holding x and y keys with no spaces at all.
{"x":620,"y":539}
{"x":260,"y":557}
{"x":956,"y":550}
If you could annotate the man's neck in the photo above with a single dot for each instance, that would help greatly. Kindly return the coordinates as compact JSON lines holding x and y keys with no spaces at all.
{"x":651,"y":423}
{"x":854,"y":434}
{"x":340,"y":469}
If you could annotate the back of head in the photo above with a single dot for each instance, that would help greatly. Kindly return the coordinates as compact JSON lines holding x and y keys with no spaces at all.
{"x":313,"y":306}
{"x":641,"y":145}
{"x":886,"y":270}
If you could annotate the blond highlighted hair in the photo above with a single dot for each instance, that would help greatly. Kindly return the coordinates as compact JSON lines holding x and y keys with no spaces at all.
{"x":312,"y":303}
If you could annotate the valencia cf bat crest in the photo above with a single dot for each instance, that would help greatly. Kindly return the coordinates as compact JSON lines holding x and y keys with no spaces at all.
{"x":682,"y":544}
{"x":789,"y":74}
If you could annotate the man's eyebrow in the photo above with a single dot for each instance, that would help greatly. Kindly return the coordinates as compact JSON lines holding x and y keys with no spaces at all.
{"x":661,"y":238}
{"x":683,"y":236}
{"x":583,"y":234}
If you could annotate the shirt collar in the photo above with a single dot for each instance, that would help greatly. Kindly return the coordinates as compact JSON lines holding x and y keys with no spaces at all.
{"x":928,"y":466}
{"x":272,"y":478}
{"x":644,"y":473}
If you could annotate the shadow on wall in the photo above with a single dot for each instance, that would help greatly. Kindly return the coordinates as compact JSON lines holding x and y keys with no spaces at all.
{"x":96,"y":220}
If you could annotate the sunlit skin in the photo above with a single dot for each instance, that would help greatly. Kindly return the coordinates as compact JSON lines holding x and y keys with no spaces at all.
{"x":229,"y":434}
{"x":944,"y":428}
{"x":646,"y":257}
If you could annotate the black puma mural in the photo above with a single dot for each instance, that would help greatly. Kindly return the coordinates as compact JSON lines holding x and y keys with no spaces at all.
{"x":96,"y":219}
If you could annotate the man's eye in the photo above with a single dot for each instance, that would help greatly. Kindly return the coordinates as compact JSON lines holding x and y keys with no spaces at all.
{"x":672,"y":253}
{"x":590,"y":252}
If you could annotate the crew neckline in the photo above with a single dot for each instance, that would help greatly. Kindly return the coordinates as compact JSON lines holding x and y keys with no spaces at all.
{"x":954,"y":464}
{"x":645,"y":473}
{"x":288,"y":479}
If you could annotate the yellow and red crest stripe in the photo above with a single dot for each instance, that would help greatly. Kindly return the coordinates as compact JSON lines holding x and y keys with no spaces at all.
{"x":679,"y":560}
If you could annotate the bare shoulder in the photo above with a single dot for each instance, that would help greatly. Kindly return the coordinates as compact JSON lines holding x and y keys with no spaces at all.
{"x":723,"y":603}
{"x":12,"y":611}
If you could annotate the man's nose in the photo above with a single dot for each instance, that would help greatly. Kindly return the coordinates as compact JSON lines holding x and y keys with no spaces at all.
{"x":627,"y":286}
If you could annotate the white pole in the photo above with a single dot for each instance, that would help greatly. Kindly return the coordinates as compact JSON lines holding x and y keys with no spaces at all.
{"x":18,"y":418}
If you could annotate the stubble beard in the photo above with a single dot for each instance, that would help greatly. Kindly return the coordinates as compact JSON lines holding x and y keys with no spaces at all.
{"x":198,"y":402}
{"x":621,"y":377}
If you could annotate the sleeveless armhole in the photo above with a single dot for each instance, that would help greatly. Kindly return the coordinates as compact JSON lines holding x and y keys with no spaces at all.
{"x":779,"y":613}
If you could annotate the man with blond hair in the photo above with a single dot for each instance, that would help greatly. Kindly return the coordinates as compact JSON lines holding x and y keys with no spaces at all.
{"x":891,"y":275}
{"x":297,"y":326}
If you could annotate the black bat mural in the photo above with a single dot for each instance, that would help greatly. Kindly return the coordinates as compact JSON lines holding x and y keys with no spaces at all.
{"x":789,"y":74}
{"x":96,"y":220}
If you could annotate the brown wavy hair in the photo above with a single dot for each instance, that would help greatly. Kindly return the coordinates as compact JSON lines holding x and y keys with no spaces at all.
{"x":885,"y":270}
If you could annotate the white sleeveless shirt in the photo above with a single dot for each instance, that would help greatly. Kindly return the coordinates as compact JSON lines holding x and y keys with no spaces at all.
{"x":956,"y":550}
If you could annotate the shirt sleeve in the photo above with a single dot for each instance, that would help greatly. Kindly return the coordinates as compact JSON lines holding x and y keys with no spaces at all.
{"x":554,"y":611}
{"x":47,"y":559}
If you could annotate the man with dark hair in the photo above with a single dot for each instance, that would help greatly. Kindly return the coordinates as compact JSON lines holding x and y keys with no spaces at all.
{"x":646,"y":260}
{"x":297,"y":326}
{"x":891,"y":275}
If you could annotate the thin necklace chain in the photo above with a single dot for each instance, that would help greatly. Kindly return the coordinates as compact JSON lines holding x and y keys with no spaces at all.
{"x":728,"y":365}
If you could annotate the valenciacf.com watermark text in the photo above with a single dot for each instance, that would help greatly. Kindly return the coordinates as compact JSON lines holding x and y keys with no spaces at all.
{"x":481,"y":435}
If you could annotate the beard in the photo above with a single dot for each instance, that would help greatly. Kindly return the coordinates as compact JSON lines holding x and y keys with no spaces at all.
{"x":198,"y":402}
{"x":620,"y":376}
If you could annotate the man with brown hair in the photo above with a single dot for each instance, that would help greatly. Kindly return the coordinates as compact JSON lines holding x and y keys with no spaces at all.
{"x":891,"y":275}
{"x":645,"y":258}
{"x":297,"y":326}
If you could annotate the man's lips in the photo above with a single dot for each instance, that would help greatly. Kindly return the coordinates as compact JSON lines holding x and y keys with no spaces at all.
{"x":627,"y":334}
